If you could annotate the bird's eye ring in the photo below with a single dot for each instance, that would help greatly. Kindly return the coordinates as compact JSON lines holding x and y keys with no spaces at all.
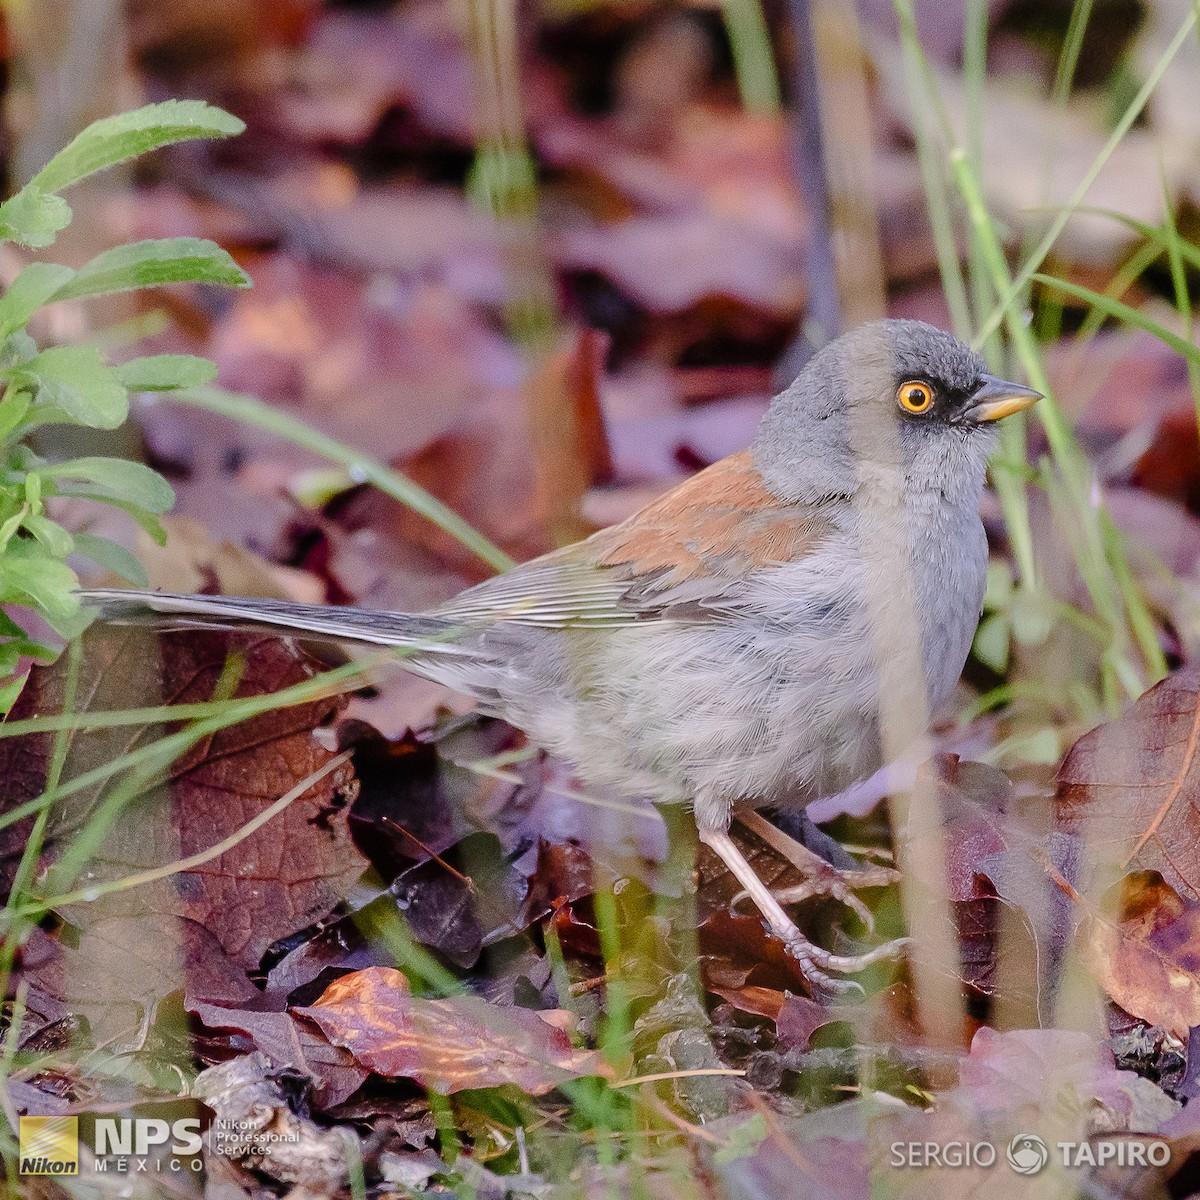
{"x":915,"y":396}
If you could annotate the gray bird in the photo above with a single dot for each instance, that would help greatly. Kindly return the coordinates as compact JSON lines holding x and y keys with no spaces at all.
{"x":767,"y":633}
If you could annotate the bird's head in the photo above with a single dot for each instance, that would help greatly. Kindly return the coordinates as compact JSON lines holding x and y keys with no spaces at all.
{"x":894,"y":396}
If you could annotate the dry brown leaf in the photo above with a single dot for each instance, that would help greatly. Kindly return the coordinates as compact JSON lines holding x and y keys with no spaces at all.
{"x":1131,"y":788}
{"x":1148,"y":959}
{"x":668,"y":264}
{"x":452,"y":1044}
{"x":1033,"y":160}
{"x":567,"y":437}
{"x":274,"y":882}
{"x":118,"y":969}
{"x":194,"y":561}
{"x":287,"y":1043}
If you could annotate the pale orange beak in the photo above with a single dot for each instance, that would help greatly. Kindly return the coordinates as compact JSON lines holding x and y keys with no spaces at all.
{"x":996,"y":399}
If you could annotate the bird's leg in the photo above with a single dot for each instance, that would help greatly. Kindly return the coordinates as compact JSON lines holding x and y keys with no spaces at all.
{"x":820,"y":877}
{"x":815,"y":962}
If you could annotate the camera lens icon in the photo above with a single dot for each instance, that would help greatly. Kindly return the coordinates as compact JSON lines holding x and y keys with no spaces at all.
{"x":1027,"y":1154}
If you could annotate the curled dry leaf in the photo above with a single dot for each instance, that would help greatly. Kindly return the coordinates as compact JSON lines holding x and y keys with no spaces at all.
{"x":289,"y":1044}
{"x":451,"y":1044}
{"x":1148,"y":959}
{"x":1060,"y":1083}
{"x":1130,"y":790}
{"x":248,"y":1097}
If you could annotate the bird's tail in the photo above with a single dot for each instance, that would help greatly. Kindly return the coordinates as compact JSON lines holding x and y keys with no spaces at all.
{"x":322,"y":622}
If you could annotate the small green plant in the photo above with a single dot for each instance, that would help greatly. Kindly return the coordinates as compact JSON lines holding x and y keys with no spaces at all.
{"x":75,"y":385}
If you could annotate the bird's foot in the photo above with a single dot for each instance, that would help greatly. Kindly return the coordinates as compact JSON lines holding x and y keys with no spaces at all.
{"x":816,"y":963}
{"x":820,"y":878}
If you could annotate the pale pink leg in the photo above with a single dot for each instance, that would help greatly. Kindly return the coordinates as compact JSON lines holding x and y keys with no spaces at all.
{"x":815,"y":962}
{"x":821,"y":878}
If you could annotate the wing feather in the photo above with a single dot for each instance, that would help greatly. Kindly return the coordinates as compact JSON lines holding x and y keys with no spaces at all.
{"x":676,"y":559}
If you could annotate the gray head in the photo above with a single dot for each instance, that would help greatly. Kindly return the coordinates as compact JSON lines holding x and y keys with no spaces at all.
{"x":893,"y":395}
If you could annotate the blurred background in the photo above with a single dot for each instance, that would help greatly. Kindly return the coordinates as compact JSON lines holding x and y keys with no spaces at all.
{"x":548,"y":259}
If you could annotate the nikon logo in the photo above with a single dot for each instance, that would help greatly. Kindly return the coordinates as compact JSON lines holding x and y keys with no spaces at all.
{"x":48,"y":1146}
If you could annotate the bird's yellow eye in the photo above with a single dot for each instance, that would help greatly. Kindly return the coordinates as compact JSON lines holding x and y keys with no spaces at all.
{"x":915,"y":396}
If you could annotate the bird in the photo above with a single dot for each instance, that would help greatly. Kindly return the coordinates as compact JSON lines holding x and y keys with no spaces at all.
{"x":773,"y":629}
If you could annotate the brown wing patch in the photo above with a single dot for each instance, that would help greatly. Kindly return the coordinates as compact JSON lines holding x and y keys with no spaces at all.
{"x":721,"y":523}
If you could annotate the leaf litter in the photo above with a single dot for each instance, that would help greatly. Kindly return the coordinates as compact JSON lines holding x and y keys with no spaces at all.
{"x":673,"y":226}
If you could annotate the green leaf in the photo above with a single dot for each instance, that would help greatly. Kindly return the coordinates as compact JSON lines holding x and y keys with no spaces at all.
{"x":8,"y":530}
{"x":1033,"y":617}
{"x":17,"y":348}
{"x":1040,"y":747}
{"x":165,"y":372}
{"x":146,"y":521}
{"x":153,"y":263}
{"x":13,"y":408}
{"x":77,"y":380}
{"x":33,"y":286}
{"x":116,"y":478}
{"x":993,"y":641}
{"x":29,"y":575}
{"x":112,"y":555}
{"x":119,"y":138}
{"x":9,"y":693}
{"x":33,"y":218}
{"x":744,"y":1140}
{"x":999,"y":590}
{"x":16,"y":644}
{"x":51,"y":534}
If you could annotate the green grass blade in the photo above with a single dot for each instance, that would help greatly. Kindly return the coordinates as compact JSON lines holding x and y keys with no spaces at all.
{"x":1119,"y":311}
{"x":254,"y":412}
{"x":1035,"y":259}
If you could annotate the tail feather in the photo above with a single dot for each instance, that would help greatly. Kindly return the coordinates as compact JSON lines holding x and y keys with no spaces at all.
{"x":171,"y":610}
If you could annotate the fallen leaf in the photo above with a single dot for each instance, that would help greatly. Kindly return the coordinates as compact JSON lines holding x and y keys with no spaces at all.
{"x":1058,"y":1084}
{"x":885,"y":1019}
{"x":272,"y":883}
{"x":193,"y":561}
{"x":290,"y":1044}
{"x":567,"y":437}
{"x":667,"y":264}
{"x":1146,"y":956}
{"x":1130,"y":788}
{"x":114,"y":971}
{"x":357,"y":63}
{"x":1016,"y":131}
{"x":452,"y":1044}
{"x":252,"y":1102}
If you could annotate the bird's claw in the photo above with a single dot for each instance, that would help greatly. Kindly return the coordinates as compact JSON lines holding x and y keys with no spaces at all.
{"x":816,"y":963}
{"x":839,"y":885}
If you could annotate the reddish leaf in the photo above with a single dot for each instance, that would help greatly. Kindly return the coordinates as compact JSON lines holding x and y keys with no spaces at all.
{"x":798,"y":1019}
{"x":567,"y":436}
{"x":1131,"y":787}
{"x":564,"y":873}
{"x":668,"y":264}
{"x":761,"y":1001}
{"x":886,"y":1018}
{"x":452,"y":1044}
{"x":290,"y":1043}
{"x":1060,"y":1084}
{"x":269,"y":885}
{"x":1148,"y":958}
